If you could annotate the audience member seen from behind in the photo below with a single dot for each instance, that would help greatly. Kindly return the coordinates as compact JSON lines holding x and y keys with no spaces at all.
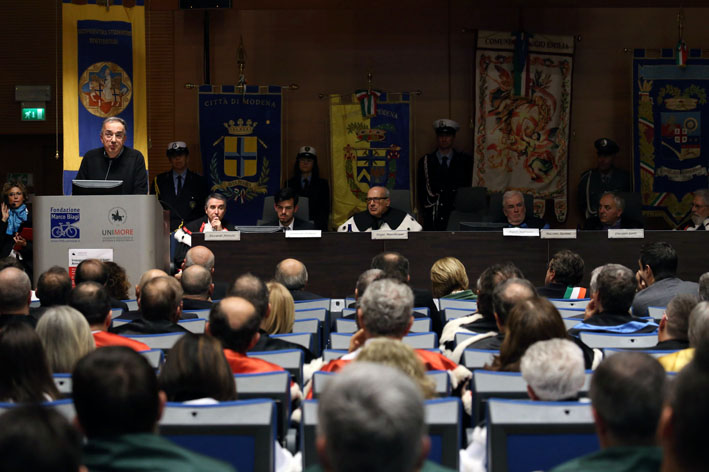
{"x":53,"y":288}
{"x":449,"y":280}
{"x":280,"y":320}
{"x":627,"y":393}
{"x":564,"y":274}
{"x":532,"y":320}
{"x":66,"y":336}
{"x":395,"y":353}
{"x":197,"y":369}
{"x":15,"y":294}
{"x":24,"y":374}
{"x":117,"y":282}
{"x":38,"y":439}
{"x":371,"y":417}
{"x":96,"y":271}
{"x":698,"y":333}
{"x":673,"y":333}
{"x":118,"y":405}
{"x":685,"y":417}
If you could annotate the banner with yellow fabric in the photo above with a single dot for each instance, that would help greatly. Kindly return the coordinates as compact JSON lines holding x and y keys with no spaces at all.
{"x":103,"y":75}
{"x":370,"y":138}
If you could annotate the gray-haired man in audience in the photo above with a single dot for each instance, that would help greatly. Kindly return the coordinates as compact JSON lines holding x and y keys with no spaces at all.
{"x":371,"y":417}
{"x":673,"y":333}
{"x":627,"y":392}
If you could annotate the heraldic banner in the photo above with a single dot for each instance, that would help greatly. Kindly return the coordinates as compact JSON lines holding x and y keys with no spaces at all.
{"x":240,"y":139}
{"x":370,"y":139}
{"x":522,"y":115}
{"x":103,"y":74}
{"x":671,"y":121}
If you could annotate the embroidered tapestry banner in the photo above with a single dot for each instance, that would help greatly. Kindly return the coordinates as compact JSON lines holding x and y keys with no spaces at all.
{"x":522,"y":115}
{"x":671,"y":125}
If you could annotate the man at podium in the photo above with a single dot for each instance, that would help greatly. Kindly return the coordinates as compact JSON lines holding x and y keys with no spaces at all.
{"x":115,"y":161}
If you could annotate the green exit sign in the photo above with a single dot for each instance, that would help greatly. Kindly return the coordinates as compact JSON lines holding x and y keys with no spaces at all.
{"x":33,"y":114}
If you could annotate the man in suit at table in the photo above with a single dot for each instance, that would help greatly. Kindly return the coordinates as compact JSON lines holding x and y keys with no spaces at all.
{"x":286,"y":206}
{"x":180,"y":190}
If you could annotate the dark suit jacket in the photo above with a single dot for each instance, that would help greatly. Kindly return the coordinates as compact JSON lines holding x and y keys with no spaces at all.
{"x":189,"y":204}
{"x":267,"y":343}
{"x":143,"y":326}
{"x":298,"y":224}
{"x":318,"y":194}
{"x":441,"y":182}
{"x":189,"y":304}
{"x":303,"y":295}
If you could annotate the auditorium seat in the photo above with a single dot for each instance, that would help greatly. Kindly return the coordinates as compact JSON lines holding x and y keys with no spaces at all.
{"x":273,"y":385}
{"x":289,"y":359}
{"x":621,"y":341}
{"x":471,"y":305}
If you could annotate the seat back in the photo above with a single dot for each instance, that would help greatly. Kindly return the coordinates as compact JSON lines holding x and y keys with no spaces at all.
{"x":273,"y":385}
{"x":65,"y":407}
{"x":344,"y":325}
{"x":196,"y":325}
{"x":314,"y":327}
{"x":525,"y":435}
{"x":289,"y":359}
{"x":569,"y":302}
{"x":240,"y":433}
{"x":633,"y":206}
{"x":470,"y":205}
{"x":307,"y":340}
{"x":310,"y":304}
{"x":132,"y":304}
{"x":319,"y":313}
{"x":340,"y":341}
{"x":155,"y":357}
{"x":442,"y":380}
{"x":656,"y":353}
{"x":63,"y":384}
{"x":332,"y":354}
{"x":477,"y":358}
{"x":320,"y":379}
{"x":453,"y":313}
{"x":421,"y":325}
{"x":487,"y":384}
{"x":620,"y":341}
{"x":471,"y":305}
{"x":656,"y":312}
{"x":162,"y":341}
{"x":421,"y":340}
{"x":116,"y":312}
{"x":401,"y":200}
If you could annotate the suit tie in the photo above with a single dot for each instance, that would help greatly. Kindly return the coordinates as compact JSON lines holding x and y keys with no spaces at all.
{"x":179,"y":185}
{"x":306,"y":182}
{"x":445,"y":162}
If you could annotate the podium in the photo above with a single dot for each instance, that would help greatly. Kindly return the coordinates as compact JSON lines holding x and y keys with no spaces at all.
{"x":134,"y":227}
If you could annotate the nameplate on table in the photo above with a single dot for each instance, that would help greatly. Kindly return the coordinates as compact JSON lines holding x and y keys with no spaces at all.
{"x":389,"y":234}
{"x":526,"y":232}
{"x":222,"y":236}
{"x":558,"y":234}
{"x":626,"y":233}
{"x":303,"y":233}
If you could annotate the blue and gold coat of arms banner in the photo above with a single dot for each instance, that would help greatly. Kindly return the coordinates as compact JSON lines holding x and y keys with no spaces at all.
{"x":370,"y":138}
{"x":240,"y":136}
{"x":671,"y":124}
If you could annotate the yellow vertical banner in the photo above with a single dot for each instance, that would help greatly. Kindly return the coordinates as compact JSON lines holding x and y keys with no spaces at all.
{"x":103,"y":75}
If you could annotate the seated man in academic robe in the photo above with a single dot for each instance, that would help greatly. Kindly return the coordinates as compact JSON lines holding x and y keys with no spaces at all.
{"x":380,"y":215}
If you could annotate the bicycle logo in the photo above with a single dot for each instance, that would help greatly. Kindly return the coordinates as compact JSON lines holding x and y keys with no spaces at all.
{"x":65,"y":230}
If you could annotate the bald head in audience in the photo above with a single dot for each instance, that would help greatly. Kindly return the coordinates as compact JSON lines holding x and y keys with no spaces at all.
{"x":91,"y":270}
{"x":199,"y":255}
{"x":161,"y":299}
{"x":15,"y":292}
{"x":254,"y":290}
{"x":197,"y":283}
{"x":147,"y":276}
{"x":507,"y":294}
{"x":235,"y":322}
{"x":292,"y":274}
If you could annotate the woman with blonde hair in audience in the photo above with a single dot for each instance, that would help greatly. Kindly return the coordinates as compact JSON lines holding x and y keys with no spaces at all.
{"x":66,"y":337}
{"x":529,"y":321}
{"x":24,"y":373}
{"x":196,"y":369}
{"x":282,"y":316}
{"x":449,"y":280}
{"x":395,"y":353}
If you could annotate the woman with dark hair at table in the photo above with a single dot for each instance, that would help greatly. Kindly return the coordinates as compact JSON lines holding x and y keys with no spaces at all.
{"x":306,"y":182}
{"x":24,"y":370}
{"x":16,"y":225}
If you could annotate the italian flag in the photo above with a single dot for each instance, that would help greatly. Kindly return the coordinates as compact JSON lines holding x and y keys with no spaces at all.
{"x":575,"y":292}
